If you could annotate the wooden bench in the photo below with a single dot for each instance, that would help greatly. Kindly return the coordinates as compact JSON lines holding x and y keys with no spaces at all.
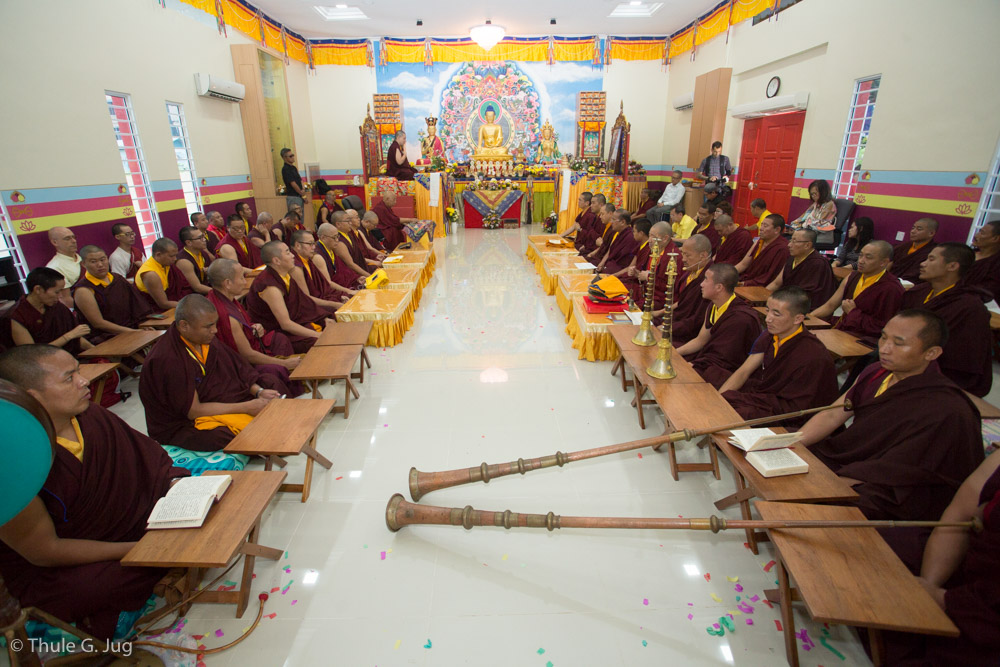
{"x":848,"y":576}
{"x":986,"y":410}
{"x":639,"y":359}
{"x":819,"y":485}
{"x":844,"y":347}
{"x":756,"y":296}
{"x":331,"y":362}
{"x":809,"y":323}
{"x":163,"y":321}
{"x":285,"y":427}
{"x":123,"y":345}
{"x":348,"y":333}
{"x":693,"y":406}
{"x":230,"y":529}
{"x":623,"y":335}
{"x":98,"y":373}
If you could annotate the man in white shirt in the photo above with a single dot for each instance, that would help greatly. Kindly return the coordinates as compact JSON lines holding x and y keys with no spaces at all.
{"x":127,"y":258}
{"x":65,"y":261}
{"x":672,"y":195}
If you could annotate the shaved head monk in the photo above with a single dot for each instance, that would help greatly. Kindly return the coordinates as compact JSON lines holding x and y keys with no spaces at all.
{"x":158,"y":279}
{"x":307,"y":276}
{"x":788,"y":369}
{"x":40,"y":316}
{"x":730,"y":328}
{"x":393,"y":227}
{"x":345,"y":226}
{"x":966,"y":359}
{"x":868,"y":296}
{"x":277,"y":302}
{"x":106,"y":301}
{"x":689,"y":306}
{"x":618,"y":253}
{"x":591,"y":225}
{"x":906,"y":257}
{"x":62,"y":552}
{"x":270,"y":352}
{"x":915,"y":435}
{"x":235,"y":245}
{"x":65,"y":261}
{"x":660,"y":232}
{"x":581,"y":224}
{"x":193,"y":259}
{"x":369,"y":225}
{"x":602,"y":228}
{"x":640,"y":260}
{"x":985,"y":273}
{"x":734,"y":241}
{"x":767,"y":256}
{"x":335,"y":259}
{"x":807,"y":269}
{"x":372,"y":257}
{"x":198,"y":393}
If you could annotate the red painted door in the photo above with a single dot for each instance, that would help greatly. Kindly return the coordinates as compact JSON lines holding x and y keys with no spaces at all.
{"x":768,"y":158}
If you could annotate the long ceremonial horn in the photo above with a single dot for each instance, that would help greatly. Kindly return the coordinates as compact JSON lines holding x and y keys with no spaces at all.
{"x":399,"y":513}
{"x":422,"y":483}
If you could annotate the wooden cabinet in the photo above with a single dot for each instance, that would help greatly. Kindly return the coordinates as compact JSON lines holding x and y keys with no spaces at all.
{"x":708,"y":116}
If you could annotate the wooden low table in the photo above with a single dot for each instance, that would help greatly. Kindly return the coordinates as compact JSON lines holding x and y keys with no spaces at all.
{"x":819,"y":485}
{"x":844,"y":347}
{"x":331,"y":362}
{"x":123,"y":345}
{"x":848,"y":576}
{"x":98,"y":373}
{"x":639,"y":359}
{"x":285,"y":427}
{"x":693,"y":406}
{"x":809,"y":323}
{"x":756,"y":296}
{"x":230,"y":529}
{"x":163,"y":322}
{"x":623,"y":335}
{"x":347,"y":333}
{"x":389,"y":311}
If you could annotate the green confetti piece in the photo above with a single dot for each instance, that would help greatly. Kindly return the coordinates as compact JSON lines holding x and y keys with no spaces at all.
{"x":428,"y":644}
{"x":229,"y":583}
{"x":286,"y":555}
{"x":725,"y":621}
{"x":644,"y":643}
{"x":822,"y":640}
{"x":365,"y":546}
{"x":548,"y":664}
{"x":541,"y":651}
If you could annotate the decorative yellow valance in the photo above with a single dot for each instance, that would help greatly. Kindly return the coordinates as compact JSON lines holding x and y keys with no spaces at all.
{"x":636,"y":49}
{"x":333,"y":52}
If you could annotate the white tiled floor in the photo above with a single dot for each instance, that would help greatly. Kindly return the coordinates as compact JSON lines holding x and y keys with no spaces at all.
{"x":445,"y":596}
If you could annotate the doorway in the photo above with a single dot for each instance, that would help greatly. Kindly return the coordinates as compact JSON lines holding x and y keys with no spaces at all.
{"x":768,"y":159}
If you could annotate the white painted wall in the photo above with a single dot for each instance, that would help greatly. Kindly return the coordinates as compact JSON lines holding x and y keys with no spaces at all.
{"x":338,"y":97}
{"x":642,"y":86}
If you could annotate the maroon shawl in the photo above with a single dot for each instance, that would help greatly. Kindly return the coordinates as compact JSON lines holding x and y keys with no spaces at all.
{"x":401,"y":172}
{"x":587,"y":234}
{"x":689,"y":307}
{"x":660,"y":275}
{"x":339,"y":272}
{"x":907,"y":266}
{"x":301,"y":308}
{"x":106,"y":497}
{"x":43,"y":327}
{"x":985,"y":274}
{"x":202,"y":274}
{"x":766,"y":266}
{"x":318,"y":287}
{"x":873,"y":307}
{"x":712,"y":234}
{"x":390,"y":226}
{"x":967,"y":360}
{"x":635,"y":288}
{"x":359,"y":240}
{"x":733,"y":247}
{"x":732,"y":336}
{"x":249,"y":258}
{"x":120,"y":303}
{"x":911,"y":447}
{"x":374,"y":242}
{"x":813,"y":274}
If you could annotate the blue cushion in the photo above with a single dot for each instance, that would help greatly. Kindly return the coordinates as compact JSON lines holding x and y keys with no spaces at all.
{"x":199,"y":462}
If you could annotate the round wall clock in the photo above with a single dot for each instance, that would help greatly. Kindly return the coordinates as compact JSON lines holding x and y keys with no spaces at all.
{"x":773,"y":86}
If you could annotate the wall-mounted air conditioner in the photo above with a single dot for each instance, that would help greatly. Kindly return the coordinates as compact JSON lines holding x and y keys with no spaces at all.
{"x":207,"y":85}
{"x":775,"y":105}
{"x":685,"y":101}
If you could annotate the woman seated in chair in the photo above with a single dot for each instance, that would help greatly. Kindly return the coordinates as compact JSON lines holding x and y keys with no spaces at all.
{"x":821,"y":214}
{"x":860,"y":233}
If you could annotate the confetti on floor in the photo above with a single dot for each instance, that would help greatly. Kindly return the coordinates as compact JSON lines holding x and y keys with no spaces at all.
{"x":690,"y":617}
{"x":271,"y":616}
{"x":428,"y":644}
{"x":822,"y":640}
{"x":644,"y":643}
{"x":708,"y":576}
{"x":770,"y":564}
{"x":645,"y":601}
{"x":398,"y":642}
{"x":716,"y":597}
{"x":382,"y":555}
{"x":732,"y":579}
{"x":541,"y":651}
{"x":749,"y":621}
{"x":219,"y":633}
{"x":294,"y":601}
{"x":777,"y":625}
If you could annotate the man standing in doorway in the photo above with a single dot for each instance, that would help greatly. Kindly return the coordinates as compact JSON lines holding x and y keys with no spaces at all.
{"x":294,"y":193}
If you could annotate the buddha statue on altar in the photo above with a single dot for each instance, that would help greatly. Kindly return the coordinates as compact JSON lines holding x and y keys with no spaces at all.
{"x":490,"y":145}
{"x":547,"y":148}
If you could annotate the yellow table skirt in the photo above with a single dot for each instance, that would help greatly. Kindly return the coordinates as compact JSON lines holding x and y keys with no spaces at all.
{"x":406,"y":278}
{"x":390,"y":310}
{"x":568,"y":287}
{"x":551,"y":272}
{"x":593,"y":342}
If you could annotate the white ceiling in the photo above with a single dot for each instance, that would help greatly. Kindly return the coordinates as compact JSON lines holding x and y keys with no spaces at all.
{"x":451,"y":18}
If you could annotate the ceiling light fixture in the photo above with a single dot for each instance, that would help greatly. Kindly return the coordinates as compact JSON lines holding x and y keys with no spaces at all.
{"x":341,"y":13}
{"x":487,"y":35}
{"x":635,"y":10}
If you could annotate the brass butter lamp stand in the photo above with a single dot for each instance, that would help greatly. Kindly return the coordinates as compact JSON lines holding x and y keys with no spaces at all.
{"x":644,"y":336}
{"x":662,"y":368}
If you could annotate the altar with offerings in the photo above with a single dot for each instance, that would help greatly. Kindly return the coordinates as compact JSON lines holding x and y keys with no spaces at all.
{"x":431,"y":195}
{"x":491,"y":209}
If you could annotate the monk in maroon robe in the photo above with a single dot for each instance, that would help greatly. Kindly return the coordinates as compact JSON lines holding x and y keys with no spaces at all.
{"x":660,"y":231}
{"x":372,"y":255}
{"x":734,"y":241}
{"x":328,"y":246}
{"x":235,"y":245}
{"x":390,"y":224}
{"x":105,"y":301}
{"x":397,"y":165}
{"x":369,"y":223}
{"x":308,"y":276}
{"x":276,"y":302}
{"x":806,"y":268}
{"x":582,"y":220}
{"x":706,"y":225}
{"x":730,"y":329}
{"x":590,"y":225}
{"x":640,"y":261}
{"x":788,"y":369}
{"x":602,"y":235}
{"x":270,"y":352}
{"x":985,"y":272}
{"x":193,"y":259}
{"x":915,"y":435}
{"x":907,"y":257}
{"x":647,"y":203}
{"x":868,"y":297}
{"x":689,"y":306}
{"x":618,"y":253}
{"x":94,"y":505}
{"x":189,"y":375}
{"x":288,"y":225}
{"x":966,"y":360}
{"x":158,"y":279}
{"x":767,"y":257}
{"x":39,"y":317}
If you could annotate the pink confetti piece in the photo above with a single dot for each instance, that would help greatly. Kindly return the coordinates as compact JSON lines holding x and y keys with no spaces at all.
{"x":768,"y":603}
{"x":294,"y":601}
{"x":690,"y":604}
{"x":690,"y":617}
{"x":770,"y":564}
{"x":708,"y":576}
{"x":219,"y":633}
{"x":275,"y":589}
{"x":339,"y":478}
{"x":754,"y":598}
{"x":749,"y":621}
{"x":716,"y":626}
{"x":271,"y":615}
{"x":645,"y":601}
{"x":640,"y":456}
{"x":382,"y":555}
{"x":777,"y":624}
{"x":738,"y":588}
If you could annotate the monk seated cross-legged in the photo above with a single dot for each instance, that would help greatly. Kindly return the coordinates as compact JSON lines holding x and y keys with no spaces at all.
{"x":706,"y":225}
{"x":198,"y":393}
{"x":734,"y":241}
{"x":158,"y":279}
{"x":277,"y":302}
{"x":270,"y":352}
{"x":588,"y":224}
{"x":40,"y":317}
{"x":907,"y":257}
{"x":915,"y":435}
{"x":660,"y":232}
{"x":106,"y":301}
{"x":307,"y":276}
{"x":640,"y":261}
{"x":581,"y":224}
{"x":767,"y":256}
{"x":604,"y":233}
{"x":62,"y":552}
{"x":868,"y":297}
{"x":332,"y":259}
{"x":373,"y":258}
{"x":730,"y":328}
{"x":788,"y":368}
{"x":806,"y":268}
{"x":620,"y":250}
{"x":985,"y":273}
{"x":235,"y":245}
{"x":966,"y":359}
{"x":689,"y":307}
{"x":194,"y":258}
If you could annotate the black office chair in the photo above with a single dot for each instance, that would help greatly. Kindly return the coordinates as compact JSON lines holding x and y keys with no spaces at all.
{"x":353,"y":202}
{"x":845,"y":207}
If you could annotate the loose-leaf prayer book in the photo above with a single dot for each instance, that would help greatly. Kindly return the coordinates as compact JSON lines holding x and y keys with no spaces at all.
{"x":777,"y":462}
{"x":392,"y":259}
{"x":187,"y":503}
{"x":584,"y":265}
{"x":555,"y":242}
{"x":750,"y":439}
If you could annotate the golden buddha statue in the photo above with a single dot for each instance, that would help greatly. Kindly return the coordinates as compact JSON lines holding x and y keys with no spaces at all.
{"x":490,"y":145}
{"x":547,"y":144}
